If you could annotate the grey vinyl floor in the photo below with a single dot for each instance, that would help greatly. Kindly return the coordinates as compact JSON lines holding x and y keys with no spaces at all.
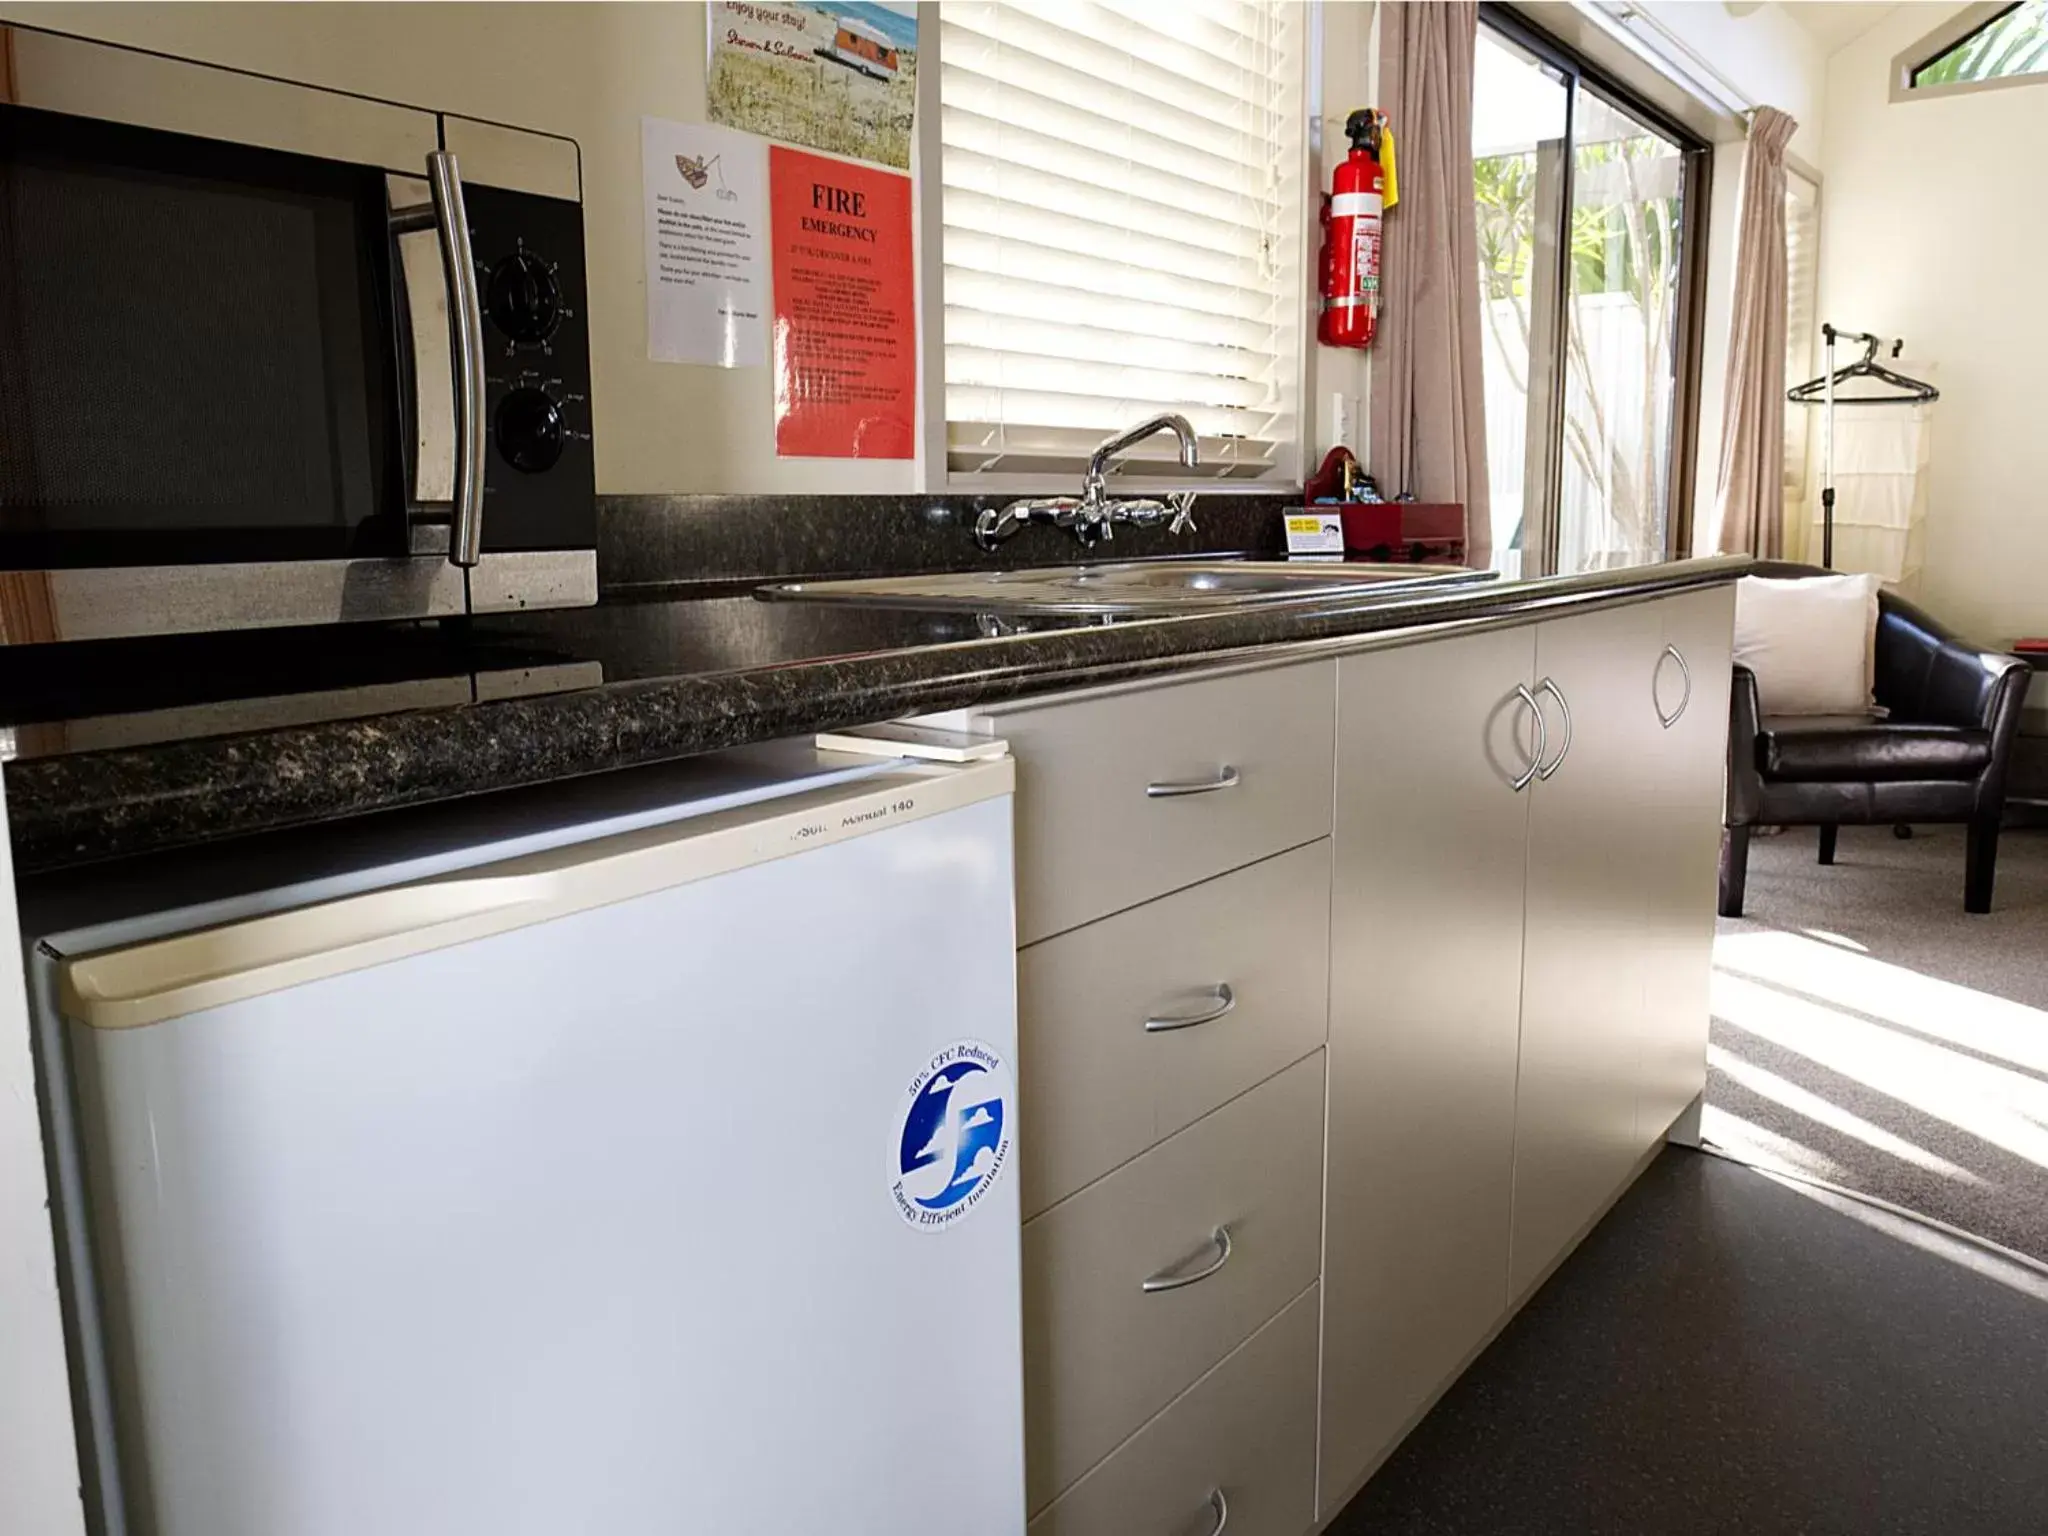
{"x":1731,"y":1353}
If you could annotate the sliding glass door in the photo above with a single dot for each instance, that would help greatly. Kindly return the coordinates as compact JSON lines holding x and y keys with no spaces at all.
{"x":1587,"y":276}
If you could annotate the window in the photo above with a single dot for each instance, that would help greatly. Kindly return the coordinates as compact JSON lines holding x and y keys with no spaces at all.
{"x":1123,"y":230}
{"x":1586,"y":254}
{"x":2008,"y":40}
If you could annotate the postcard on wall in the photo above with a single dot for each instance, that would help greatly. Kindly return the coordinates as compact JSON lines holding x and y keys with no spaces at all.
{"x":845,"y":316}
{"x":841,"y":78}
{"x":706,"y":209}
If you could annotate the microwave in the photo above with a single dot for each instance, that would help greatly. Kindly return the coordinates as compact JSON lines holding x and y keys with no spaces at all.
{"x":272,"y":354}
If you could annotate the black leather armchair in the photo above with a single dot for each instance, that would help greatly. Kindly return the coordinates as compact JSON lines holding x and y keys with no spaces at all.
{"x":1939,"y":755}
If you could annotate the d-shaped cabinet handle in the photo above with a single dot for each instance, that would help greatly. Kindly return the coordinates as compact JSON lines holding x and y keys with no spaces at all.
{"x":1225,"y":1000}
{"x":1220,"y":1506}
{"x":1527,"y":776}
{"x":1564,"y":708}
{"x":1226,"y":778}
{"x":1685,"y":673}
{"x":1177,"y":1275}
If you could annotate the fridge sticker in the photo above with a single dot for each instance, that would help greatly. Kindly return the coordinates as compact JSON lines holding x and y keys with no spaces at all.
{"x":842,"y":79}
{"x":845,"y":315}
{"x":953,"y":1139}
{"x":706,"y":214}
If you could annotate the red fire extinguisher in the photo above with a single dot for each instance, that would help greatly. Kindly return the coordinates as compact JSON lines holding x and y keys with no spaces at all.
{"x":1361,"y":190}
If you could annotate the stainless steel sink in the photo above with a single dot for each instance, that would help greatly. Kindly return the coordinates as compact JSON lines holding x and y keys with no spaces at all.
{"x":1128,"y":588}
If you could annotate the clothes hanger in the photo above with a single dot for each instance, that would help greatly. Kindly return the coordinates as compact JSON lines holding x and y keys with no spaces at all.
{"x":1912,"y":391}
{"x":1821,"y":392}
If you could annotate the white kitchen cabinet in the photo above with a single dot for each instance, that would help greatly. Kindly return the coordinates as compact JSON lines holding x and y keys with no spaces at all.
{"x":1128,"y":795}
{"x":1516,"y":1013}
{"x":1689,"y":688}
{"x":1137,"y":1025}
{"x":1235,"y":1452}
{"x":1425,"y":989}
{"x":1592,"y":824}
{"x":1137,"y":1285}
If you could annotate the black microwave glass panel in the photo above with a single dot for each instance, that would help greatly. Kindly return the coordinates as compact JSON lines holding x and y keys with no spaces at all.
{"x":195,"y":344}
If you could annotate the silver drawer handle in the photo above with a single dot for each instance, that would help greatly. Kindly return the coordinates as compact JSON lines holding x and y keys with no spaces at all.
{"x":1225,"y":1001}
{"x":1551,"y":688}
{"x":1222,"y":1507}
{"x":1685,"y":672}
{"x":1170,"y":1280}
{"x":1528,"y":775}
{"x":1226,"y":778}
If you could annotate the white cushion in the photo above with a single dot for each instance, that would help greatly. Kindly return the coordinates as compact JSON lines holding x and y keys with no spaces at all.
{"x":1811,"y":641}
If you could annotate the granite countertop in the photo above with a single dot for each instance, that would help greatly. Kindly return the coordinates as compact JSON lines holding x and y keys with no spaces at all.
{"x":132,"y":747}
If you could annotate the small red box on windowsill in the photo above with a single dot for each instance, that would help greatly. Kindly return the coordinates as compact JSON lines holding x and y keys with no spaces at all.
{"x":1432,"y":531}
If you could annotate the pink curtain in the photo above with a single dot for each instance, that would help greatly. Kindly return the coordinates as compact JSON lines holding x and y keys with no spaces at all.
{"x":1428,"y":393}
{"x":1750,"y":493}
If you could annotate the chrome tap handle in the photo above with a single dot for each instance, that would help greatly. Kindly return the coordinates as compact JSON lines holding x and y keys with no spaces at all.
{"x":995,"y":525}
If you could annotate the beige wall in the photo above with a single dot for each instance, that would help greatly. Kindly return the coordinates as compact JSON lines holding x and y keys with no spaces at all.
{"x":1338,"y":393}
{"x":1933,"y":228}
{"x":589,"y":71}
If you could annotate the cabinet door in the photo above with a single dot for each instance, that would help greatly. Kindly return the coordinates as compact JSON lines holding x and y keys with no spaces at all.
{"x":1686,"y":685}
{"x":1590,"y":833}
{"x":1426,"y":946}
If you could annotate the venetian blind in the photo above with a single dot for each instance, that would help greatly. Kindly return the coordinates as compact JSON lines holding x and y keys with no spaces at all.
{"x":1123,"y":229}
{"x":1802,"y":297}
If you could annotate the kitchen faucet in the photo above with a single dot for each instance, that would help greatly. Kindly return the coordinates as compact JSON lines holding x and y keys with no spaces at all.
{"x":1093,"y":515}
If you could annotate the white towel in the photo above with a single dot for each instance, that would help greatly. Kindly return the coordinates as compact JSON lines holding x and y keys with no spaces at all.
{"x":1881,"y":471}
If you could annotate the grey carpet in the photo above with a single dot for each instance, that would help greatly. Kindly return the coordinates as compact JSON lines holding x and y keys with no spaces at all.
{"x":1726,"y":1353}
{"x":1869,"y":1032}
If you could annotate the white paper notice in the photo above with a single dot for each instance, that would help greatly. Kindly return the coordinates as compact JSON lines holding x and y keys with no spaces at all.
{"x":707,"y":221}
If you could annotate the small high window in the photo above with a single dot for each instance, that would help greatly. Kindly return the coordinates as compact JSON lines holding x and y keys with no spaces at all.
{"x":2011,"y":41}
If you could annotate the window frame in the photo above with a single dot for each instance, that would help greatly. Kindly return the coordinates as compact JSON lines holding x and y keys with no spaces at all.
{"x":1695,"y":185}
{"x":934,"y":470}
{"x":1953,"y":33}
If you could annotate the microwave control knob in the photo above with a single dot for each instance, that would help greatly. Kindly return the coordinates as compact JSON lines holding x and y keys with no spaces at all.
{"x":524,"y":299}
{"x":529,"y":429}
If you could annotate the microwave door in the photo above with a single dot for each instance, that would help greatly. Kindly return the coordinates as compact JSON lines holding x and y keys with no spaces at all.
{"x":441,"y":325}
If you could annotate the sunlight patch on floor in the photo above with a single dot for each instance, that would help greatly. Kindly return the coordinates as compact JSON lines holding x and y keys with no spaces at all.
{"x":2002,"y":1107}
{"x":1821,"y":1111}
{"x":1753,"y":1142}
{"x":1977,"y":1021}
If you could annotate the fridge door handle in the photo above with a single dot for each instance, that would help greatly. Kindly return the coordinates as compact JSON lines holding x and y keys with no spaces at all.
{"x":168,"y":978}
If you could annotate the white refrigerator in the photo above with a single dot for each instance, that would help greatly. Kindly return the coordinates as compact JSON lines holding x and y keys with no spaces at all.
{"x":658,"y":1183}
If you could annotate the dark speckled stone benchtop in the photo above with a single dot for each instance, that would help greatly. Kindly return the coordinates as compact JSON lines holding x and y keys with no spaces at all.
{"x":642,"y":677}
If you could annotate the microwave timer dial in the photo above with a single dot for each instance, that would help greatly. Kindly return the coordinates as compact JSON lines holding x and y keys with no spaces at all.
{"x":524,"y":296}
{"x":530,"y":429}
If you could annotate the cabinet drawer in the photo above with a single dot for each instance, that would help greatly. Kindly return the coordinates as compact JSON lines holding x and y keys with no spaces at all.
{"x":1094,"y":833}
{"x":1105,"y":1073}
{"x":1101,"y":1353}
{"x":1246,"y":1431}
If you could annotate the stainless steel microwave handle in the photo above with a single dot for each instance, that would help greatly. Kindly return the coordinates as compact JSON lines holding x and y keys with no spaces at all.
{"x":466,"y":333}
